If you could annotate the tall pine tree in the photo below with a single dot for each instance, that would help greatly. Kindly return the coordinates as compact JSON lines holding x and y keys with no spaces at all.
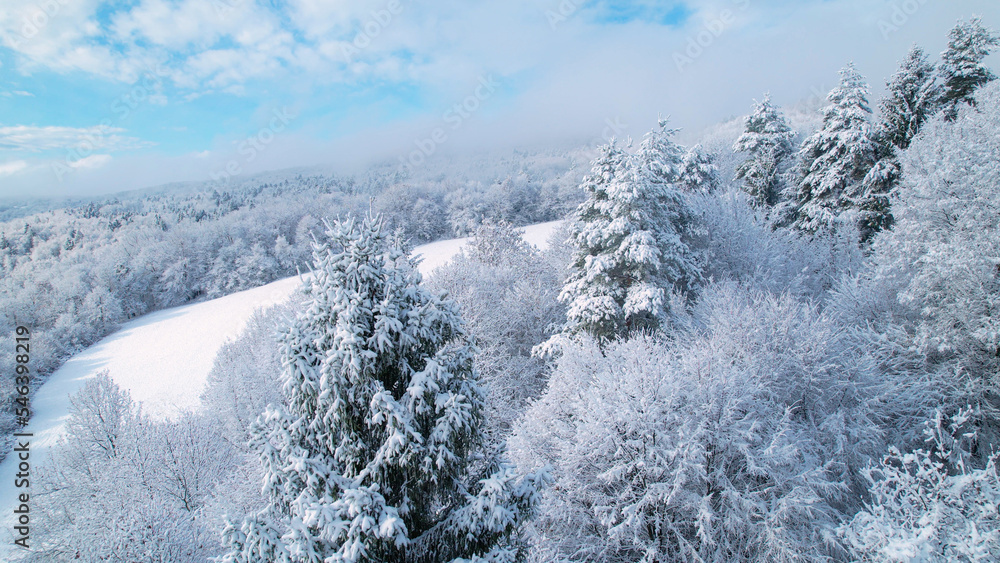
{"x":375,"y":454}
{"x":913,"y":96}
{"x":631,"y":241}
{"x":768,"y":142}
{"x":962,"y":68}
{"x":836,"y":158}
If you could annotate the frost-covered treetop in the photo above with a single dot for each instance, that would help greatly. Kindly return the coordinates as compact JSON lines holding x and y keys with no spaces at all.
{"x":913,"y":96}
{"x":374,"y":454}
{"x":631,"y":240}
{"x":836,"y":158}
{"x":768,"y":142}
{"x":699,"y":174}
{"x":766,"y":130}
{"x":849,"y":100}
{"x":961,"y":63}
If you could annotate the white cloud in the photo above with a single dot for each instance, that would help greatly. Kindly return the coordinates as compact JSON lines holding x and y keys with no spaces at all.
{"x":219,"y":45}
{"x":57,"y":35}
{"x":555,"y":83}
{"x":12,"y":167}
{"x":172,"y":25}
{"x":92,"y":161}
{"x":325,"y":18}
{"x":34,"y":139}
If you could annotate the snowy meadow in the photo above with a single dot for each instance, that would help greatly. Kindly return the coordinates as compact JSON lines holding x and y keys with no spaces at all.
{"x":778,"y":343}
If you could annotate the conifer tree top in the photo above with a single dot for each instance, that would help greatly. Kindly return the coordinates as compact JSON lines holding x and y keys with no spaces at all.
{"x":961,"y":63}
{"x":766,"y":129}
{"x":375,"y":453}
{"x":836,"y":158}
{"x":631,"y":240}
{"x":767,"y":140}
{"x":912,"y":97}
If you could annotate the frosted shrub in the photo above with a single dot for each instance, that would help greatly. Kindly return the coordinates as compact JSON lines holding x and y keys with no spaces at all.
{"x":737,"y":440}
{"x":928,"y":505}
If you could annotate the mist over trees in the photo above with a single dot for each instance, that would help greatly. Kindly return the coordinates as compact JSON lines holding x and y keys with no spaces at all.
{"x":794,"y":361}
{"x":74,"y":275}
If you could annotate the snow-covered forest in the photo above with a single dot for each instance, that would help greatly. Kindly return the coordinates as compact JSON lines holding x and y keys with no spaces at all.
{"x":75,"y":274}
{"x":781,"y":346}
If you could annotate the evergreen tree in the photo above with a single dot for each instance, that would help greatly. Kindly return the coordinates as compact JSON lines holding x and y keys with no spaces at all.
{"x":631,"y":241}
{"x":768,"y":140}
{"x":698,"y":171}
{"x":962,"y":68}
{"x":913,"y":97}
{"x":836,"y":158}
{"x":873,"y":205}
{"x":375,"y":454}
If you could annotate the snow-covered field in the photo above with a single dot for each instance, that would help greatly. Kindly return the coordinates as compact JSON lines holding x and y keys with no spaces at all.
{"x":163,"y":358}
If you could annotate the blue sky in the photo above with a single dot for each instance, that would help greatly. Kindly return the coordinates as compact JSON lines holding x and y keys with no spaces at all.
{"x":107,"y":96}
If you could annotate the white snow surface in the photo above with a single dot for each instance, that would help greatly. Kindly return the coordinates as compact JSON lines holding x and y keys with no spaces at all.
{"x":163,"y":360}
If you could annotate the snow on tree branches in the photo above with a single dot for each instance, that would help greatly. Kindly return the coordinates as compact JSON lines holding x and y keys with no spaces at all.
{"x":768,"y":142}
{"x":375,"y":454}
{"x":836,"y":158}
{"x":946,"y":236}
{"x":698,"y":171}
{"x":928,"y":505}
{"x":961,"y":64}
{"x":632,"y":237}
{"x":736,"y":442}
{"x":913,"y":97}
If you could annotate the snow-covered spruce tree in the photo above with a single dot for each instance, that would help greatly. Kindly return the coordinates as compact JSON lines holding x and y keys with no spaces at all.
{"x":913,"y":97}
{"x":768,"y":142}
{"x":698,"y":171}
{"x":375,"y":453}
{"x":836,"y":158}
{"x":962,"y":69}
{"x":631,"y":240}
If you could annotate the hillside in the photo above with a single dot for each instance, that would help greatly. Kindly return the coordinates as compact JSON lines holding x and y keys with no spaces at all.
{"x":163,"y":358}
